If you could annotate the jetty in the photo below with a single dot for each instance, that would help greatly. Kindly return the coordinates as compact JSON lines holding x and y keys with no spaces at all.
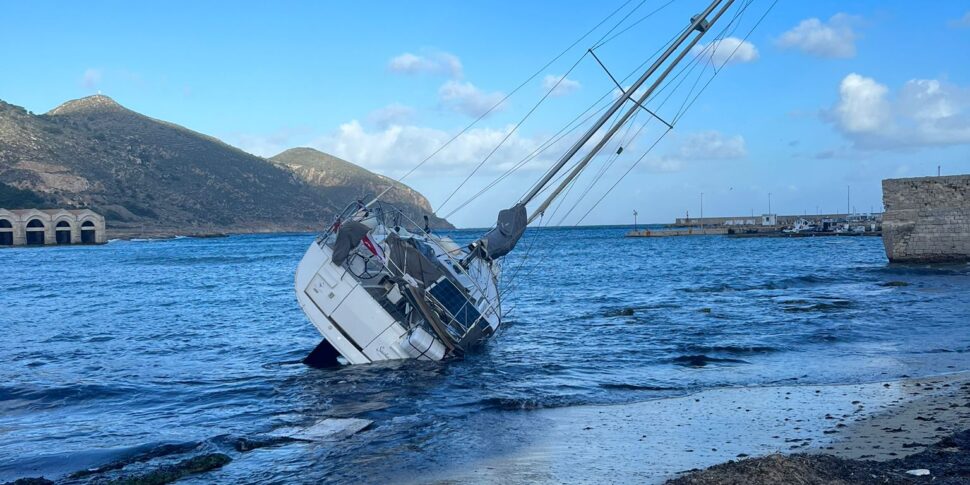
{"x":770,"y":225}
{"x":41,"y":227}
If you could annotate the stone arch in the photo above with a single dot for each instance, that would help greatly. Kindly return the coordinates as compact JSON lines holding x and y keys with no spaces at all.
{"x":6,"y":232}
{"x":36,"y":231}
{"x":89,"y":232}
{"x":63,"y":230}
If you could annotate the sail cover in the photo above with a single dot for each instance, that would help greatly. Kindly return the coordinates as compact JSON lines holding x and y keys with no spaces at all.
{"x":508,"y":229}
{"x":406,"y":259}
{"x":348,"y":237}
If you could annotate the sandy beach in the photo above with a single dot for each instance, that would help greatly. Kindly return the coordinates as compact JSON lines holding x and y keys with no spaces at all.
{"x":655,"y":441}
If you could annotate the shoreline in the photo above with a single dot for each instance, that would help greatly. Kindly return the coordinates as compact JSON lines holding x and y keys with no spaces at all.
{"x":666,"y":439}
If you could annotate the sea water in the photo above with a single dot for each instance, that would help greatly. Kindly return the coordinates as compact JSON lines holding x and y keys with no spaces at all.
{"x":171,"y":349}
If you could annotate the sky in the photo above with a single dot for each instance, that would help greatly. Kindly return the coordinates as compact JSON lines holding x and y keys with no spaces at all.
{"x":814,"y":105}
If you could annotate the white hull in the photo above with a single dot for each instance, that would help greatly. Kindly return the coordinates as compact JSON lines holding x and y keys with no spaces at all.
{"x":366,"y":333}
{"x":370,"y":316}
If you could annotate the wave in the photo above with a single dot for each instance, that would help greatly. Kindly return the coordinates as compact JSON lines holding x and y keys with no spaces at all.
{"x":526,"y":403}
{"x":782,"y":284}
{"x":629,"y":311}
{"x":15,"y":398}
{"x":636,"y":387}
{"x":825,"y":338}
{"x":941,"y":269}
{"x":704,"y":360}
{"x":619,"y":312}
{"x":802,"y":306}
{"x":730,"y":349}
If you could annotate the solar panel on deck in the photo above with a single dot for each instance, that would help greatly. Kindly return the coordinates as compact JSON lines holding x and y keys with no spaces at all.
{"x":455,"y":302}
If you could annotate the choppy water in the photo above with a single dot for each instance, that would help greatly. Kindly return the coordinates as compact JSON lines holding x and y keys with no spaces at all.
{"x":111,"y":350}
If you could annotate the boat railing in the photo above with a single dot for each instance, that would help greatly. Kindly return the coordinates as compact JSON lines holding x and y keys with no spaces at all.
{"x":380,"y":213}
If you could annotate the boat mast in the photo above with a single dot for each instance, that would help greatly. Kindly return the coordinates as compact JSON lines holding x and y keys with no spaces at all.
{"x":699,"y":24}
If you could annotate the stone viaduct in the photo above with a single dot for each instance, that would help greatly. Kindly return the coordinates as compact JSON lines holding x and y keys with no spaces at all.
{"x":50,"y":226}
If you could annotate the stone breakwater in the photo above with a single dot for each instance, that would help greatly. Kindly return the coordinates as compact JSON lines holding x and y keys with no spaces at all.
{"x":927,"y":219}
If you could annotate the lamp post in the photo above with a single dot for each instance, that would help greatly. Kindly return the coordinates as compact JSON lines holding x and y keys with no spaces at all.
{"x":848,"y":199}
{"x":634,"y":220}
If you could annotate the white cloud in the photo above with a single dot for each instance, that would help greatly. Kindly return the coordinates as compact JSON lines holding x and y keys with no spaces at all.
{"x":438,"y":63}
{"x":664,"y":164}
{"x":91,"y":78}
{"x":924,"y":112}
{"x":962,"y":22}
{"x":862,"y":104}
{"x":466,"y":98}
{"x":266,"y":145}
{"x":834,"y":39}
{"x":698,"y":146}
{"x":559,"y":85}
{"x":396,"y":149}
{"x":392,"y":114}
{"x":730,"y":50}
{"x":711,"y":145}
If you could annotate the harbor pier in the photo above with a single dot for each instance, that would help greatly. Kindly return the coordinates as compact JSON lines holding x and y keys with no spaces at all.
{"x":771,"y":225}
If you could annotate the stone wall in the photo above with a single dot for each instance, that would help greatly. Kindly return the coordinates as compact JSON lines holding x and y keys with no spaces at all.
{"x":927,"y":219}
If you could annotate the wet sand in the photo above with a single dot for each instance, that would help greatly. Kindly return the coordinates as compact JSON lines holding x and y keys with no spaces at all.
{"x":653,"y":441}
{"x":929,"y":410}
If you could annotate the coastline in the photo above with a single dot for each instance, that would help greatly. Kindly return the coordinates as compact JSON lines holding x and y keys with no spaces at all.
{"x":660,"y":440}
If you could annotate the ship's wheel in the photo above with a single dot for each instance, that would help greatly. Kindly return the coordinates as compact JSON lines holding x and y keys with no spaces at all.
{"x":363,"y":264}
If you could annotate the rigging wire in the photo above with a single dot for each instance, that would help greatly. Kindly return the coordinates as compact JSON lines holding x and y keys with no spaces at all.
{"x":547,"y":94}
{"x":549,"y":143}
{"x":511,"y":284}
{"x":727,"y":30}
{"x":555,"y":138}
{"x":765,"y":14}
{"x":735,"y":22}
{"x":510,"y":132}
{"x":750,"y":31}
{"x":634,"y":24}
{"x":499,"y":103}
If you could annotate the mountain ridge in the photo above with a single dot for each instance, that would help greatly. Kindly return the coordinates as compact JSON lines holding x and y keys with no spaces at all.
{"x":147,"y":175}
{"x":353,"y":182}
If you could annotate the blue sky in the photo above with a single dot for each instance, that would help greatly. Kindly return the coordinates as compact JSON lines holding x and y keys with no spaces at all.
{"x":823,"y":95}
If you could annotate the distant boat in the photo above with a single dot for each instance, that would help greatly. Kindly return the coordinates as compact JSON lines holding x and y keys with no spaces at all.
{"x":379,"y":286}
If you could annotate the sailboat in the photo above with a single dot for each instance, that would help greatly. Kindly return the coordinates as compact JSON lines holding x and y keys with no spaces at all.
{"x":379,"y":286}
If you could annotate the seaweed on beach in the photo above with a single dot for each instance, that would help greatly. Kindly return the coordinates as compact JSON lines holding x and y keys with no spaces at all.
{"x":171,"y":473}
{"x":948,"y":462}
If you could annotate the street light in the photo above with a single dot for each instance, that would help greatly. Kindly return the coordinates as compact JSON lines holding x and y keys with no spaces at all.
{"x":634,"y":220}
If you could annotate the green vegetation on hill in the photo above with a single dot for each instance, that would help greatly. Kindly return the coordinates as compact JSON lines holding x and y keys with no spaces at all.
{"x":14,"y":198}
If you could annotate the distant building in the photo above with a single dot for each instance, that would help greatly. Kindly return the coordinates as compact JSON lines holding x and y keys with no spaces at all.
{"x":50,"y":226}
{"x":769,"y":220}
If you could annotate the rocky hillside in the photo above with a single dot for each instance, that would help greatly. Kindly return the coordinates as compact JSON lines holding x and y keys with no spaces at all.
{"x":149,"y":175}
{"x":349,"y":182}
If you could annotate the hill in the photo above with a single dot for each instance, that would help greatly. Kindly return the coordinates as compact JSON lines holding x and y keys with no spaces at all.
{"x":349,"y":182}
{"x":152,"y":176}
